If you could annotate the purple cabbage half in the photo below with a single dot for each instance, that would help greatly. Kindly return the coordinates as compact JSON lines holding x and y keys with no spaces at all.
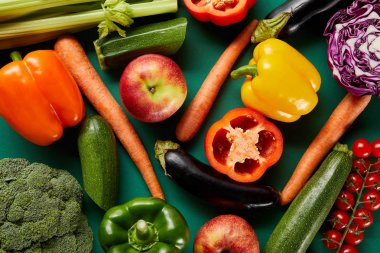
{"x":354,"y":47}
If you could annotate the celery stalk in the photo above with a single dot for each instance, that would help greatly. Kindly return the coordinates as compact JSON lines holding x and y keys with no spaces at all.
{"x":25,"y":32}
{"x":10,"y":9}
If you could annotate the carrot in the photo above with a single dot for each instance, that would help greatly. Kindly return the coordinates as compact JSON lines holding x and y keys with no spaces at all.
{"x":340,"y":120}
{"x":90,"y":83}
{"x":201,"y":104}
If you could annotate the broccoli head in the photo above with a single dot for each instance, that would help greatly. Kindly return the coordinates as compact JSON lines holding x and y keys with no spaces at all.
{"x":41,"y":209}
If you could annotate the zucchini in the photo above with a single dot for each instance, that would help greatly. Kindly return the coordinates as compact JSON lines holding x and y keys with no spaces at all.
{"x":165,"y":37}
{"x":98,"y":156}
{"x":306,"y":214}
{"x":205,"y":182}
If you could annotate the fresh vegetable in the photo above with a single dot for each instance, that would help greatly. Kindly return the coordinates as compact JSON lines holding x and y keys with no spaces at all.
{"x":354,"y":182}
{"x":337,"y":124}
{"x":353,"y":40}
{"x":226,"y":233}
{"x":144,"y":225}
{"x":98,"y":156}
{"x":372,"y":182}
{"x":48,"y":24}
{"x":219,"y":12}
{"x":339,"y":219}
{"x":376,"y":148}
{"x":204,"y":182}
{"x":165,"y":37}
{"x":355,"y":212}
{"x":363,"y":218}
{"x":371,"y":200}
{"x":243,"y":145}
{"x":340,"y":120}
{"x":40,"y":209}
{"x":74,"y":57}
{"x":201,"y":104}
{"x":281,"y":82}
{"x":11,"y":9}
{"x":152,"y":87}
{"x":304,"y":217}
{"x":362,"y":148}
{"x":39,"y":97}
{"x":332,"y":238}
{"x":345,"y":200}
{"x":347,"y":248}
{"x":355,"y":235}
{"x":305,"y":14}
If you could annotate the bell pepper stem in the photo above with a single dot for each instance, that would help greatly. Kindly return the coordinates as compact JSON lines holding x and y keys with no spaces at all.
{"x":142,"y":235}
{"x":142,"y":230}
{"x":250,"y":70}
{"x":270,"y":28}
{"x":15,"y":56}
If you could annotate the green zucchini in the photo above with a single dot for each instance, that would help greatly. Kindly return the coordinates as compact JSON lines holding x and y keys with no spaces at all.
{"x":98,"y":156}
{"x":165,"y":37}
{"x":306,"y":214}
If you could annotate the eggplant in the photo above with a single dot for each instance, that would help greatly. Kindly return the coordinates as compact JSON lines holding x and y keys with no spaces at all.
{"x":310,"y":14}
{"x":204,"y":182}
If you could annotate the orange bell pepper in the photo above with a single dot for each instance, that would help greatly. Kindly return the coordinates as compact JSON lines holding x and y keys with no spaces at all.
{"x":39,"y":97}
{"x":243,"y":144}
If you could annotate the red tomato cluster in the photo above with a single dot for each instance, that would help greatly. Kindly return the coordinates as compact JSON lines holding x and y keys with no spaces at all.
{"x":357,"y":200}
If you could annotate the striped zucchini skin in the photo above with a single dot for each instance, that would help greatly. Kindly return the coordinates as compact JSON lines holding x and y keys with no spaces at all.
{"x":165,"y":37}
{"x":306,"y":214}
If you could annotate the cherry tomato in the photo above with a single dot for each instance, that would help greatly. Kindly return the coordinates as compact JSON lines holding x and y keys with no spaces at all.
{"x":345,"y":200}
{"x":354,"y":182}
{"x":371,"y":200}
{"x":372,"y":182}
{"x":363,"y":217}
{"x":332,"y":238}
{"x":347,"y":248}
{"x":376,"y":148}
{"x":355,"y":235}
{"x":361,"y":148}
{"x":339,"y":219}
{"x":361,"y":165}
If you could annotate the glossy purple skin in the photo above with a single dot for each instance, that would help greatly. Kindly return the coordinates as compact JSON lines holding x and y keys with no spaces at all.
{"x":152,"y":88}
{"x":354,"y":47}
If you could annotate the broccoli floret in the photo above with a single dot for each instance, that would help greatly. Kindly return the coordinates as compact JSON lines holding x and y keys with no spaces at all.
{"x":41,"y":210}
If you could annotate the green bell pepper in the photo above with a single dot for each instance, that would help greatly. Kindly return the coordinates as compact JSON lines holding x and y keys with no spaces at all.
{"x":143,"y":225}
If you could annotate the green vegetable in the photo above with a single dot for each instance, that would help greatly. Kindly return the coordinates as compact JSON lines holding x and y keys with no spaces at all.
{"x":40,"y":209}
{"x":98,"y":156}
{"x":33,"y":24}
{"x":164,"y":37}
{"x":143,"y":225}
{"x":304,"y":217}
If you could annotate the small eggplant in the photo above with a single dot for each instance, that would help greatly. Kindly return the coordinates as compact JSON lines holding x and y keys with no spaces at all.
{"x":203,"y":181}
{"x":307,"y":13}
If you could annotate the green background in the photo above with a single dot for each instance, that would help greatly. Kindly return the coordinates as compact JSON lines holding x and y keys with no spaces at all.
{"x":203,"y":45}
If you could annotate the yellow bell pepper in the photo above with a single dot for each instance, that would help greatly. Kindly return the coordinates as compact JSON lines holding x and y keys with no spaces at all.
{"x":281,"y":83}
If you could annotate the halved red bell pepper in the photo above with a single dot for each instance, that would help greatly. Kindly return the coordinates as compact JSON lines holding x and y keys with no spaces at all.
{"x":39,"y":97}
{"x":219,"y":12}
{"x":243,"y":144}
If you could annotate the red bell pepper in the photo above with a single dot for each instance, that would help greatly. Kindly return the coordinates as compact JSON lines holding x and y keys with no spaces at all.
{"x":243,"y":144}
{"x":219,"y":12}
{"x":39,"y":97}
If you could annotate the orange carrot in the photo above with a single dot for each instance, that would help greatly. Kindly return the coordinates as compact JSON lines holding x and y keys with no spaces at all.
{"x":90,"y":83}
{"x":340,"y":120}
{"x":199,"y":107}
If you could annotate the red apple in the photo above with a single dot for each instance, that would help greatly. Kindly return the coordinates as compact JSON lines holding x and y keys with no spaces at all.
{"x":226,"y":233}
{"x":152,"y":87}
